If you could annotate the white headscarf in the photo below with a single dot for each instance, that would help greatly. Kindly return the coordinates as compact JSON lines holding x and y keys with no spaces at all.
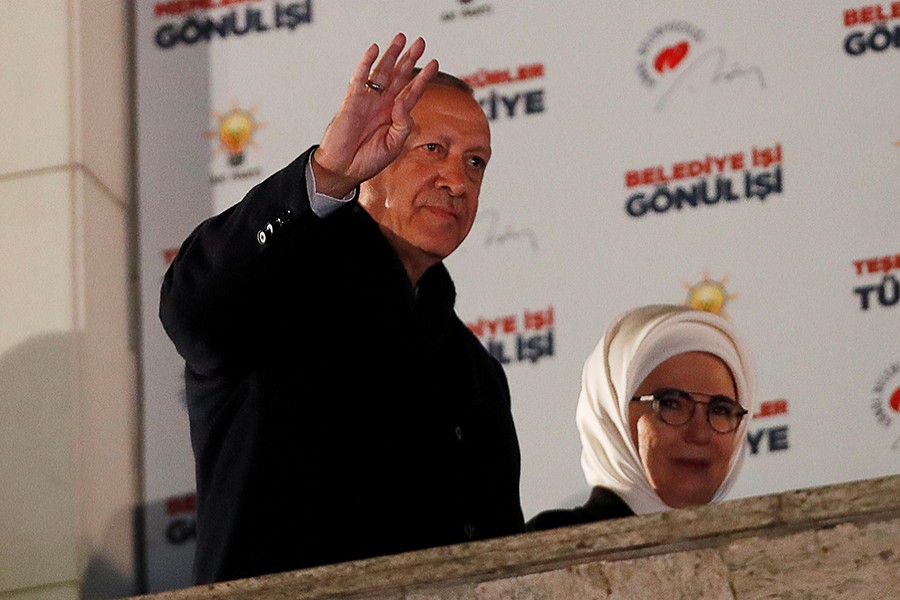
{"x":634,"y":344}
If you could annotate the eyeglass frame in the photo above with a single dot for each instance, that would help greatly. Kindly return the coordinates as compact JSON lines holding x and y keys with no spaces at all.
{"x":651,"y":397}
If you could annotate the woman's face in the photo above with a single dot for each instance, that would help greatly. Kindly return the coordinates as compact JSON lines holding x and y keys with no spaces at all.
{"x":686,"y":464}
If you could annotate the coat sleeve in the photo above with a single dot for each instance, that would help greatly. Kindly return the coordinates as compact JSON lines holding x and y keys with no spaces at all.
{"x":215,"y":293}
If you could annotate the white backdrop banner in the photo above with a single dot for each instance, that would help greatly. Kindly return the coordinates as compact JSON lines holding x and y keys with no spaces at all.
{"x":743,"y":158}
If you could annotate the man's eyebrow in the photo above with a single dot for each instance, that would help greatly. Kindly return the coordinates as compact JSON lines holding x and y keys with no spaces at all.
{"x":481,"y":149}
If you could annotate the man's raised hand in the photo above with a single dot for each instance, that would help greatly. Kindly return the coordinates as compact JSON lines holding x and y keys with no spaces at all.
{"x":373,"y":121}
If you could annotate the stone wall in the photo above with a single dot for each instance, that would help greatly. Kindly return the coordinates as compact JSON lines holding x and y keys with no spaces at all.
{"x":838,"y":541}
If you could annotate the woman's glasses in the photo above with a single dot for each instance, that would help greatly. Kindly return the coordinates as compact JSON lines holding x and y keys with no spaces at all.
{"x":676,"y":407}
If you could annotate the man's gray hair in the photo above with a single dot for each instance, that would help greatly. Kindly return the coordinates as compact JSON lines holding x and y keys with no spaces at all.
{"x":448,"y":80}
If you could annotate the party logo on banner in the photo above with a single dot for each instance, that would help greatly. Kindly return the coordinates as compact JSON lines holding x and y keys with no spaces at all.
{"x":673,"y":60}
{"x":876,"y":29}
{"x":189,"y":22}
{"x":883,"y":292}
{"x":885,"y":399}
{"x":665,"y":48}
{"x":466,"y":10}
{"x":709,"y":295}
{"x":515,"y":338}
{"x":498,"y":101}
{"x":233,"y":133}
{"x":722,"y":179}
{"x":768,"y":432}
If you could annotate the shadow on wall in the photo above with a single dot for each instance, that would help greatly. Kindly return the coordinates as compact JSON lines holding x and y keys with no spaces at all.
{"x":38,"y":495}
{"x":108,"y":574}
{"x":162,"y":551}
{"x":37,"y":498}
{"x":167,"y":543}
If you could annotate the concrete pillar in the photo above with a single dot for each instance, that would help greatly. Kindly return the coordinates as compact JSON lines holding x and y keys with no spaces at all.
{"x":68,"y":399}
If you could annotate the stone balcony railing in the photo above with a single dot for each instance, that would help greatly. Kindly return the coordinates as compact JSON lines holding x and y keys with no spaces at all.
{"x":840,"y":541}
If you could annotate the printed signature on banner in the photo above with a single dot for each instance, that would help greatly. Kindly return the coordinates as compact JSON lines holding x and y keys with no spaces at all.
{"x":673,"y":57}
{"x":722,"y":72}
{"x":493,"y":231}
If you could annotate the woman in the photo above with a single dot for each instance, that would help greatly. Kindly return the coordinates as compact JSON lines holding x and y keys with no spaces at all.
{"x":662,"y":414}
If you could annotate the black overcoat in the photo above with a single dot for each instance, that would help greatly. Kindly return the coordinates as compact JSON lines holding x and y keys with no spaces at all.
{"x":602,"y":504}
{"x":336,"y":413}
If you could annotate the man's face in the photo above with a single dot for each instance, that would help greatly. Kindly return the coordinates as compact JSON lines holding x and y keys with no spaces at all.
{"x":427,"y":198}
{"x":686,"y":465}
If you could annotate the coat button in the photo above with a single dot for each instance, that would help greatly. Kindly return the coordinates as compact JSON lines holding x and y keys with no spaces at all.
{"x":469,"y":530}
{"x":261,"y":237}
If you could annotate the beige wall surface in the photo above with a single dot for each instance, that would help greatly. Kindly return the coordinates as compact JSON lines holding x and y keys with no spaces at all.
{"x":829,"y":543}
{"x":68,"y":400}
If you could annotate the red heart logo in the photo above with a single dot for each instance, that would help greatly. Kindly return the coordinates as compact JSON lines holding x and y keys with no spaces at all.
{"x":895,"y":400}
{"x":670,"y":57}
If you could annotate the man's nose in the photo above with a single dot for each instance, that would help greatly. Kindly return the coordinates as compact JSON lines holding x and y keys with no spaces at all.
{"x":452,"y":177}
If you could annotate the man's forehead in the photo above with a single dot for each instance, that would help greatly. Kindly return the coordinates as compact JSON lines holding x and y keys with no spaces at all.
{"x":451,"y":109}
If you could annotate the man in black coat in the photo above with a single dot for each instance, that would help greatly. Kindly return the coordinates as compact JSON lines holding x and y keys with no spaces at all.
{"x":339,"y":408}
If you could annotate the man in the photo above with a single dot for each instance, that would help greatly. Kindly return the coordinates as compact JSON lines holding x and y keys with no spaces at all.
{"x":339,"y":408}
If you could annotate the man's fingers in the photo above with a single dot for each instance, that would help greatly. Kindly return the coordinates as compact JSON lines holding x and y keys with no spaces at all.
{"x":414,"y":90}
{"x":401,"y":111}
{"x":403,"y":69}
{"x":358,"y":81}
{"x":383,"y":71}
